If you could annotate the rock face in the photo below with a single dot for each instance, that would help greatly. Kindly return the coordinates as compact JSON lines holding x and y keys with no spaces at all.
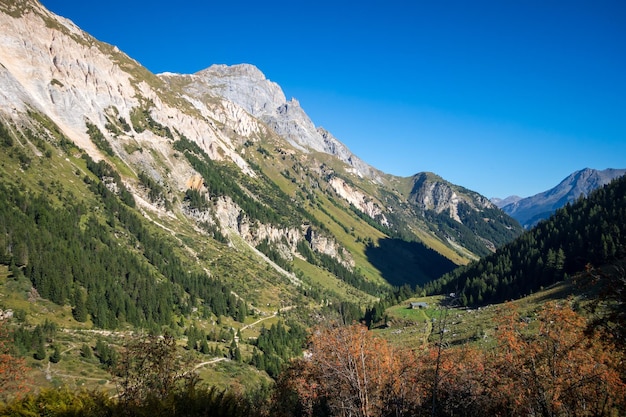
{"x":246,"y":86}
{"x":50,"y":65}
{"x":531,"y":210}
{"x":59,"y":72}
{"x":433,"y":193}
{"x":460,"y":216}
{"x":359,"y":200}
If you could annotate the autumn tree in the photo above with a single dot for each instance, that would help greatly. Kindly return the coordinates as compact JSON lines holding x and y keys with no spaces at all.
{"x":12,"y":368}
{"x":350,"y":372}
{"x":452,"y":382}
{"x":550,"y":367}
{"x":150,"y":367}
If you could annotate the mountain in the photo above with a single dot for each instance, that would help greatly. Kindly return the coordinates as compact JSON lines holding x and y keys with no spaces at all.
{"x":531,"y":210}
{"x":234,"y":114}
{"x":205,"y":202}
{"x":501,"y":202}
{"x":202,"y":223}
{"x":246,"y":86}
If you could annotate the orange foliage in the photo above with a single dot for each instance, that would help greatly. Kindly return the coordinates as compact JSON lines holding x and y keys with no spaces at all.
{"x":460,"y":383}
{"x":350,"y":372}
{"x":12,"y":369}
{"x":557,"y":369}
{"x":545,"y":365}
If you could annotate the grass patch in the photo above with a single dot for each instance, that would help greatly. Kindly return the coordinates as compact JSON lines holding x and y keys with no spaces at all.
{"x":414,"y":327}
{"x":227,"y":374}
{"x":331,"y":283}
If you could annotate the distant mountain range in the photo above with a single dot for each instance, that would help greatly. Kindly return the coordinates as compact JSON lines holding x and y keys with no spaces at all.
{"x":531,"y":210}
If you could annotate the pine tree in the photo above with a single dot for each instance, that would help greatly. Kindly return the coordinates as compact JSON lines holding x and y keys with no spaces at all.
{"x":80,"y":307}
{"x":204,"y":347}
{"x":85,"y":351}
{"x":56,"y":355}
{"x":40,"y":352}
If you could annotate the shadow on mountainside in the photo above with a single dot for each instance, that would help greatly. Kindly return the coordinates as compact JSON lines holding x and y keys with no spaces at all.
{"x":401,"y":262}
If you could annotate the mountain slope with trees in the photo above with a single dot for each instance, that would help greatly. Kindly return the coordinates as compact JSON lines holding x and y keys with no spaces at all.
{"x":97,"y":158}
{"x":133,"y":202}
{"x":172,"y":251}
{"x":590,"y":231}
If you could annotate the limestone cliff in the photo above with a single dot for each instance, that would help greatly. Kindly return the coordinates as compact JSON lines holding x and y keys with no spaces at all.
{"x":246,"y":86}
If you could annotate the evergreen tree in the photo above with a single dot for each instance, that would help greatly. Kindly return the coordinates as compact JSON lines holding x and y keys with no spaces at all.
{"x":85,"y":351}
{"x":204,"y":347}
{"x":40,"y":351}
{"x":56,"y":355}
{"x":79,"y":311}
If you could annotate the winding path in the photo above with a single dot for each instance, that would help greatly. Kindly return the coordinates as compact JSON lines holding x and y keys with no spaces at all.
{"x":215,"y":360}
{"x":267,"y":318}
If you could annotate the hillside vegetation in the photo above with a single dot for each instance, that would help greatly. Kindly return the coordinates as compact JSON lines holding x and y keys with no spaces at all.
{"x":557,"y":352}
{"x":591,"y":231}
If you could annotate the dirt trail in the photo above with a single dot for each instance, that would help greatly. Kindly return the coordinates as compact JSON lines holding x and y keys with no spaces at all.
{"x":268,"y":317}
{"x":201,"y":364}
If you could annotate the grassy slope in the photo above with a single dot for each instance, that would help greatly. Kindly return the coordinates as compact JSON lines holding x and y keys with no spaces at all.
{"x":76,"y":372}
{"x":414,"y":328}
{"x":339,"y":220}
{"x":260,"y":286}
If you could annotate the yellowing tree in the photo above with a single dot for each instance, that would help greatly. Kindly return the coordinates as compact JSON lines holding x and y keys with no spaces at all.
{"x":556,"y":369}
{"x":350,"y":372}
{"x":12,"y":369}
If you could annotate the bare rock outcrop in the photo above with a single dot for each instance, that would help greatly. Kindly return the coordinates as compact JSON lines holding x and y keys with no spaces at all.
{"x":246,"y":86}
{"x":48,"y":64}
{"x":431,"y":192}
{"x":358,"y":199}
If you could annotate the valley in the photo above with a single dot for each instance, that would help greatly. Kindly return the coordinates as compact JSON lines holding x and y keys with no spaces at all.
{"x":188,"y":244}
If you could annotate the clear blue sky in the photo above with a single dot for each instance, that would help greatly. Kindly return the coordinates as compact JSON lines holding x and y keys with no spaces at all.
{"x":502,"y":97}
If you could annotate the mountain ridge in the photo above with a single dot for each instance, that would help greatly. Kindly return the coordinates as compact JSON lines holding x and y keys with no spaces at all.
{"x":187,"y":104}
{"x":246,"y":86}
{"x":530,"y":210}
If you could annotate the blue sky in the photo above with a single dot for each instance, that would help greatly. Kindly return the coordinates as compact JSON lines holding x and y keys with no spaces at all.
{"x":502,"y":97}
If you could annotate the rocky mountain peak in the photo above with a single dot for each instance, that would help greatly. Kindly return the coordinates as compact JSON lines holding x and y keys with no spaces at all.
{"x":501,"y":202}
{"x":246,"y":86}
{"x":530,"y":210}
{"x":431,"y":192}
{"x":243,"y":84}
{"x":111,"y":107}
{"x":238,"y":70}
